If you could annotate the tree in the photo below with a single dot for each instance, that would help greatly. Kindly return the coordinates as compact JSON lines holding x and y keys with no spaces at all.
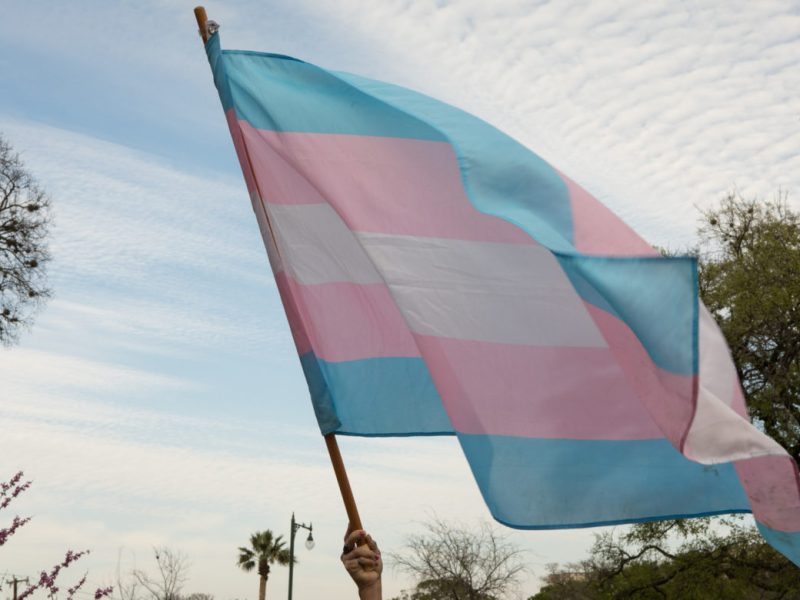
{"x":750,"y":281}
{"x":24,"y":224}
{"x":437,"y":589}
{"x":700,"y":559}
{"x":264,"y":551}
{"x":199,"y":596}
{"x":166,"y":584}
{"x":452,"y":561}
{"x":749,"y":278}
{"x":47,"y":580}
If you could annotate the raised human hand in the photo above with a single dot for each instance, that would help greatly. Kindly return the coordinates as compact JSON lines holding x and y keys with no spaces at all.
{"x":361,"y":558}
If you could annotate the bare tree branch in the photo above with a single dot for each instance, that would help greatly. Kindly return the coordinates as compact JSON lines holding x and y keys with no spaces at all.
{"x":24,"y":227}
{"x":460,"y":563}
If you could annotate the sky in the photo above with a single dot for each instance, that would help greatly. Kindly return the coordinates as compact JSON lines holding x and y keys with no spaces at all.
{"x":158,"y":399}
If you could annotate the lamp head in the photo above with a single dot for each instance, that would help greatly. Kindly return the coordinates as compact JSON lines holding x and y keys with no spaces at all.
{"x":310,"y":541}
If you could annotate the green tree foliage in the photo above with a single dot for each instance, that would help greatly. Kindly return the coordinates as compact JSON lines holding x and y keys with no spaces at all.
{"x":749,"y":277}
{"x":750,"y":281}
{"x":692,"y":559}
{"x":24,"y":225}
{"x":436,"y":589}
{"x":265,"y":550}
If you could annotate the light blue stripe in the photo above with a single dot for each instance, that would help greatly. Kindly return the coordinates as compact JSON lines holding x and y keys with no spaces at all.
{"x":785,"y":542}
{"x":391,"y":396}
{"x":554,"y":483}
{"x":214,"y":52}
{"x":303,"y":97}
{"x":656,"y":297}
{"x":321,"y":394}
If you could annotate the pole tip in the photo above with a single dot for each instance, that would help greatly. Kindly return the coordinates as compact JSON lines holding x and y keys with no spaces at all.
{"x":202,"y":20}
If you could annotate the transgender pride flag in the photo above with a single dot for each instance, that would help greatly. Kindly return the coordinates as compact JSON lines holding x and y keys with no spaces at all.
{"x":441,"y":279}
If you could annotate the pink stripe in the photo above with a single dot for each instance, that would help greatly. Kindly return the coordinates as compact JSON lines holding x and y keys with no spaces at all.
{"x":296,"y":325}
{"x":738,"y":403}
{"x":669,"y":398}
{"x":597,"y":230}
{"x":241,"y":154}
{"x":771,"y":483}
{"x":542,"y":392}
{"x":378,"y":185}
{"x":349,"y":321}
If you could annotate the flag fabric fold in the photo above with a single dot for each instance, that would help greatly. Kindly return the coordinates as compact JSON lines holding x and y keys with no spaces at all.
{"x":439,"y":278}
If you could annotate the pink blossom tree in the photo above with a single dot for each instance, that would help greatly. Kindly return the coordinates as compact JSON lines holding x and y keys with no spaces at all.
{"x":47,"y":581}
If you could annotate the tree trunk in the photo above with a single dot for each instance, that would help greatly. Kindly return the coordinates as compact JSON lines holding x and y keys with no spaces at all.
{"x":262,"y":588}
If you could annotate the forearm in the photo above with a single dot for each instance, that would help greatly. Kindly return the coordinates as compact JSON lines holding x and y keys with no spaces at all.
{"x":372,"y":592}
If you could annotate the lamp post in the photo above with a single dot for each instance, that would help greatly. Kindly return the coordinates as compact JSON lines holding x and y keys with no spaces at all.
{"x":309,"y":545}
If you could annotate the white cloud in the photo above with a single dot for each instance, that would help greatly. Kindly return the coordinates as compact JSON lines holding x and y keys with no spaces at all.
{"x":24,"y":367}
{"x":115,"y":206}
{"x":654,"y":107}
{"x":148,"y":254}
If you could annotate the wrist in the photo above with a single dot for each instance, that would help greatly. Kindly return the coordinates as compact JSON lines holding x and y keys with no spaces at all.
{"x":371,"y":591}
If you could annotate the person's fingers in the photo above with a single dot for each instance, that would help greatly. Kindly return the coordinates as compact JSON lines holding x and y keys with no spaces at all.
{"x":352,"y":552}
{"x":359,"y":537}
{"x":354,"y":538}
{"x":360,"y":563}
{"x":365,"y":551}
{"x":350,"y":529}
{"x":367,"y":563}
{"x":360,"y":552}
{"x":372,"y":544}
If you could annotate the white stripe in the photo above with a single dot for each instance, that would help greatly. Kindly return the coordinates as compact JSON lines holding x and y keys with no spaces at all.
{"x":317,"y":247}
{"x":272,"y":252}
{"x":482,"y":291}
{"x":717,"y":372}
{"x":718,"y":433}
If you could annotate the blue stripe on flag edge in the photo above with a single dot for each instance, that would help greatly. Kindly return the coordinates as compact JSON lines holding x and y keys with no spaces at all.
{"x":214,"y":53}
{"x":337,"y":107}
{"x":785,"y":542}
{"x":667,"y":286}
{"x":343,"y":392}
{"x":543,"y":483}
{"x":397,"y":435}
{"x":623,"y":521}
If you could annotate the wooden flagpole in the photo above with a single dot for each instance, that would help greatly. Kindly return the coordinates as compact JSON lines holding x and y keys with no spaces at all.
{"x":343,"y":481}
{"x":330,"y":439}
{"x":202,"y":19}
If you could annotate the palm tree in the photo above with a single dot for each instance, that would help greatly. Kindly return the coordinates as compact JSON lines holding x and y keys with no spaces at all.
{"x":264,"y":550}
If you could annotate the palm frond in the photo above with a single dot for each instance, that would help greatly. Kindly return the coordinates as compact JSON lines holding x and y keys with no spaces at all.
{"x":264,"y":547}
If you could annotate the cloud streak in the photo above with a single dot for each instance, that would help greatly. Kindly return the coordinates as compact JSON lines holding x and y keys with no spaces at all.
{"x":145,"y":252}
{"x":654,"y":107}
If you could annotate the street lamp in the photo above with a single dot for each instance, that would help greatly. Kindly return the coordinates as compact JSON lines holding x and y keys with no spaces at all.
{"x":309,"y":545}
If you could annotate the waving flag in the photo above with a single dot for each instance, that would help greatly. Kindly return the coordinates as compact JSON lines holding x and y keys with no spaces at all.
{"x":441,"y":279}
